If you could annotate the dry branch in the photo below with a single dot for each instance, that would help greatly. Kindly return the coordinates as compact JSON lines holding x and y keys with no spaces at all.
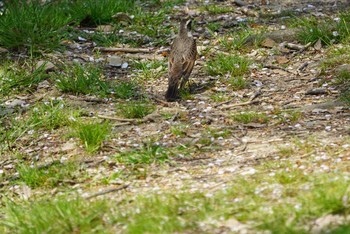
{"x":238,"y":104}
{"x":125,"y":50}
{"x":148,"y":118}
{"x":112,"y":190}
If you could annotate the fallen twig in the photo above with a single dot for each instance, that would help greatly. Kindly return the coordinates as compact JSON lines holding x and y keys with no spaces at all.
{"x":112,"y":190}
{"x":251,"y":101}
{"x":88,"y":99}
{"x":238,"y":104}
{"x":277,"y":67}
{"x":148,"y":118}
{"x":125,"y":50}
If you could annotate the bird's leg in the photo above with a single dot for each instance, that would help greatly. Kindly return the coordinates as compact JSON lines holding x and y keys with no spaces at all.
{"x":183,"y":82}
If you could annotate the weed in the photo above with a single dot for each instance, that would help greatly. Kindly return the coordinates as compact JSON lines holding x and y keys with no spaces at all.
{"x":249,"y":117}
{"x":82,"y":79}
{"x":313,"y":30}
{"x":125,"y":90}
{"x":50,"y":115}
{"x":216,"y":9}
{"x":236,"y":40}
{"x":151,"y":24}
{"x":150,"y":70}
{"x":216,"y":133}
{"x":92,"y":135}
{"x":50,"y":176}
{"x":214,"y":26}
{"x":32,"y":25}
{"x":15,"y":77}
{"x":149,"y":153}
{"x":59,"y":215}
{"x":179,"y":130}
{"x":219,"y":97}
{"x":93,"y":13}
{"x":237,"y":83}
{"x":286,"y":152}
{"x":135,"y":109}
{"x":233,"y":65}
{"x":185,"y":94}
{"x":287,"y":116}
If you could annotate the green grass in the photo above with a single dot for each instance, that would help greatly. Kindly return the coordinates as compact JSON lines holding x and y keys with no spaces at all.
{"x":93,"y":13}
{"x":287,"y":116}
{"x":150,"y":70}
{"x":237,"y":83}
{"x":66,"y":214}
{"x":219,"y":97}
{"x":149,"y":153}
{"x":151,"y":24}
{"x":92,"y":134}
{"x":47,"y":115}
{"x":216,"y":9}
{"x":233,"y":65}
{"x":125,"y":90}
{"x":83,"y":79}
{"x":16,"y":78}
{"x":313,"y":30}
{"x":251,"y":117}
{"x":336,"y":57}
{"x":236,"y":40}
{"x":50,"y":115}
{"x":214,"y":26}
{"x":49,"y":177}
{"x":179,"y":130}
{"x":32,"y":25}
{"x":135,"y":109}
{"x":279,"y":198}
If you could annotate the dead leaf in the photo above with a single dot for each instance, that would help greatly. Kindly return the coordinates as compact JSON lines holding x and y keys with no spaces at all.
{"x":282,"y":60}
{"x":318,"y":45}
{"x":104,"y":28}
{"x":269,"y":43}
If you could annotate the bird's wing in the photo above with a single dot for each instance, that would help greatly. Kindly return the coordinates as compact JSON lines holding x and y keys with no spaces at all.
{"x":188,"y":59}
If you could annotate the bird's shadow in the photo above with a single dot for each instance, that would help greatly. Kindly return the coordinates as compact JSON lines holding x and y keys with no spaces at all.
{"x":196,"y":88}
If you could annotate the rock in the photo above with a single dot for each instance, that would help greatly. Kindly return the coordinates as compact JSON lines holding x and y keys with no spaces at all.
{"x":44,"y":85}
{"x":125,"y":65}
{"x":105,"y":28}
{"x":3,"y":50}
{"x":269,"y":43}
{"x":316,"y":91}
{"x":14,"y":103}
{"x":115,"y":61}
{"x":122,"y":17}
{"x":282,"y":59}
{"x":326,"y":223}
{"x":318,"y":45}
{"x":230,"y":24}
{"x":46,"y":65}
{"x":342,"y":68}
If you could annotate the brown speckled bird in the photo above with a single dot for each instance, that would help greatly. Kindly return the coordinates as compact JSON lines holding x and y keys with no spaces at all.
{"x":181,"y":60}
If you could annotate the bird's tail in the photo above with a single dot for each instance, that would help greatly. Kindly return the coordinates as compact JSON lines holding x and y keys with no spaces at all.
{"x":172,"y":92}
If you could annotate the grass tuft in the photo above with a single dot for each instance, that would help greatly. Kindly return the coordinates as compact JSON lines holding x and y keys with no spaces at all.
{"x":233,"y":65}
{"x":93,"y":13}
{"x":15,"y":78}
{"x":125,"y":90}
{"x":135,"y":109}
{"x":251,"y":117}
{"x":149,"y":153}
{"x":92,"y":135}
{"x":59,"y":215}
{"x":82,"y":79}
{"x":50,"y":176}
{"x":32,"y":25}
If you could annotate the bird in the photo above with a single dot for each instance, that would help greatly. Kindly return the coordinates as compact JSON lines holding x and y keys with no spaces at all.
{"x":182,"y":57}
